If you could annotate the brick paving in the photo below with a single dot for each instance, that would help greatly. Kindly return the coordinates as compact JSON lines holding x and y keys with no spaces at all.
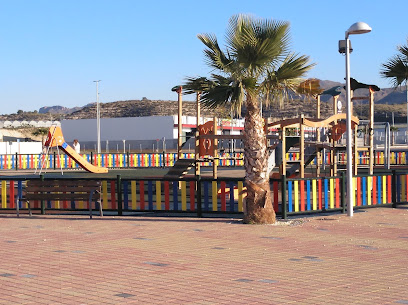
{"x":330,"y":259}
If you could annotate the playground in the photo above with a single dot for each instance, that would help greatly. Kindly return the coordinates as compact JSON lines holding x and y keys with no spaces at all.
{"x":306,"y":165}
{"x":154,"y":260}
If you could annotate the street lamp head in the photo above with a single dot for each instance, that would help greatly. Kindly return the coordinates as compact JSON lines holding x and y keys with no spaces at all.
{"x":358,"y":28}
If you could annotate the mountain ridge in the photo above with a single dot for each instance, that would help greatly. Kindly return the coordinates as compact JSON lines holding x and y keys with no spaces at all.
{"x":387,"y":100}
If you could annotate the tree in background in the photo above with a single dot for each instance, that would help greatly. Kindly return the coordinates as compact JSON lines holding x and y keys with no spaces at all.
{"x":396,"y":69}
{"x":256,"y":67}
{"x":41,"y":131}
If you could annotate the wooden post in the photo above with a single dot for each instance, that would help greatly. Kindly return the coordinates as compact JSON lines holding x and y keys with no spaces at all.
{"x":197,"y":136}
{"x":179,"y":122}
{"x":332,"y":157}
{"x":283,"y":140}
{"x":215,"y":154}
{"x":319,"y":154}
{"x":334,"y":152}
{"x":335,"y":98}
{"x":371,"y":133}
{"x":302,"y":148}
{"x":266,"y":131}
{"x":355,"y":150}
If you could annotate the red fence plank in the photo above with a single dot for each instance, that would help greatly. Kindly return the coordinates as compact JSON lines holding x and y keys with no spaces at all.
{"x":223,"y":200}
{"x":166,"y":195}
{"x":142,"y":199}
{"x":192,"y":195}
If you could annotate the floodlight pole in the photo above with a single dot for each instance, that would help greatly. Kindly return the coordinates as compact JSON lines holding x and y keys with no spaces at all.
{"x":98,"y":118}
{"x":350,"y":191}
{"x":356,"y":28}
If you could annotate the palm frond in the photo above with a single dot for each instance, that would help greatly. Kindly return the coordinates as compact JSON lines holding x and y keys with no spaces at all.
{"x":396,"y":70}
{"x":215,"y":57}
{"x":404,"y":51}
{"x":199,"y":84}
{"x":286,"y":78}
{"x":255,"y":42}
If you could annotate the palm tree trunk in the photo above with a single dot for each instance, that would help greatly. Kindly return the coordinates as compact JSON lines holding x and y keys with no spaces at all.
{"x":259,"y":207}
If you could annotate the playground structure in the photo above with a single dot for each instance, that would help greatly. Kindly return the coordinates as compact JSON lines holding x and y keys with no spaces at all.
{"x":56,"y":139}
{"x":308,"y":150}
{"x":334,"y":127}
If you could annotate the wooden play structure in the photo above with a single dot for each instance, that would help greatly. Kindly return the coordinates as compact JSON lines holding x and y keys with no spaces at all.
{"x":308,"y":150}
{"x":327,"y":135}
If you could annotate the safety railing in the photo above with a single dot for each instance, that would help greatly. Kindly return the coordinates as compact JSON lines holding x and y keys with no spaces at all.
{"x":225,"y":196}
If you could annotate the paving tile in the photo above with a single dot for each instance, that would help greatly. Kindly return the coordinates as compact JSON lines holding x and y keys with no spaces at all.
{"x":124,"y":295}
{"x":150,"y":260}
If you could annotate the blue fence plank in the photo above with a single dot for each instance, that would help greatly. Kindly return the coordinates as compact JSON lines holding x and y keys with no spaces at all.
{"x":150,"y":194}
{"x":206,"y":199}
{"x":175,"y":195}
{"x":232,"y":201}
{"x":290,"y":203}
{"x":19,"y":192}
{"x":126,"y":195}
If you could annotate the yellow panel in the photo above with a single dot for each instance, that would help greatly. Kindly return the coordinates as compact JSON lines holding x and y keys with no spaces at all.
{"x":3,"y":194}
{"x":296,"y":197}
{"x":183,"y":196}
{"x":384,"y":189}
{"x":331,"y":181}
{"x":158,"y":195}
{"x":214,"y":196}
{"x":314,"y":193}
{"x":133,"y":191}
{"x":105,"y":194}
{"x":353,"y":191}
{"x":369,"y":189}
{"x":240,"y":196}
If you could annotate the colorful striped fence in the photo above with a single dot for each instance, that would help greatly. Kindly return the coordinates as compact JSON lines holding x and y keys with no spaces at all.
{"x":15,"y":161}
{"x":311,"y":195}
{"x":396,"y":158}
{"x":323,"y":194}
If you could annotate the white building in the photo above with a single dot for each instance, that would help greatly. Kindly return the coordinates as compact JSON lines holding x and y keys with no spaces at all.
{"x":138,"y":132}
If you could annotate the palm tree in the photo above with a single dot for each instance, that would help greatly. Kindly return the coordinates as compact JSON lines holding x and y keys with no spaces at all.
{"x":396,"y":69}
{"x":256,"y":67}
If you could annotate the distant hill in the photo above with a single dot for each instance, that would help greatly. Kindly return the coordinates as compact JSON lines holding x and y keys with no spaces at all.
{"x":387,"y":100}
{"x":58,"y":109}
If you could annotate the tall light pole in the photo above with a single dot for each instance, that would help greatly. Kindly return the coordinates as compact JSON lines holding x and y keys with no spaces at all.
{"x":179,"y":90}
{"x":98,"y":118}
{"x":356,"y":28}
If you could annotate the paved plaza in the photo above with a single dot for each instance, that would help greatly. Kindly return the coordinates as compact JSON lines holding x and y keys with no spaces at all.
{"x":326,"y":259}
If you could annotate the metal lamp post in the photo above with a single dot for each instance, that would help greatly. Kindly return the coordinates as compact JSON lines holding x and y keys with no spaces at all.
{"x":98,"y":118}
{"x":179,"y":90}
{"x":356,"y":28}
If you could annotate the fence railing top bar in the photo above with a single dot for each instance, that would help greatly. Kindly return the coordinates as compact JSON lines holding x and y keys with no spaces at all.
{"x":313,"y":178}
{"x":375,"y":175}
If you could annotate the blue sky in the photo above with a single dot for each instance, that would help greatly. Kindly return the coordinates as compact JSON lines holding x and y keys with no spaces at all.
{"x":52,"y":51}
